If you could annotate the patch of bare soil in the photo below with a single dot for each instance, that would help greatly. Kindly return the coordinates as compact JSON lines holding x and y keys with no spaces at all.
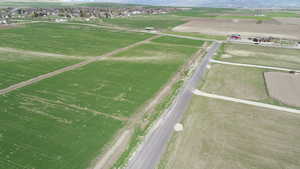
{"x":287,"y":20}
{"x":8,"y":26}
{"x":284,"y":87}
{"x":246,"y":27}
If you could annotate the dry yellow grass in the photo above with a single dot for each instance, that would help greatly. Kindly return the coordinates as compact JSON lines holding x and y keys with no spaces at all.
{"x":225,"y":135}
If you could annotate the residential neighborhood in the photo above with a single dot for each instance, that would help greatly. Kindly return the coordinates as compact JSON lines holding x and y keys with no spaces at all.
{"x":86,"y":12}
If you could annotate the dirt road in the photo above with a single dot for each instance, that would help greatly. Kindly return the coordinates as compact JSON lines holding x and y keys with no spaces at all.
{"x":254,"y":66}
{"x":258,"y":104}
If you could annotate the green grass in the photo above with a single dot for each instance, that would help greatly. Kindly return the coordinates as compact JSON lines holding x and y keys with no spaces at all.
{"x":198,"y":35}
{"x":67,"y":39}
{"x":54,"y":124}
{"x":267,"y":56}
{"x":17,"y":67}
{"x":178,"y":41}
{"x":158,"y":53}
{"x":161,"y":22}
{"x":38,"y":133}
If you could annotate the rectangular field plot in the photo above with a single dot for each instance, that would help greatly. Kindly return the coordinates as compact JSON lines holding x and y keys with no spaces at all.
{"x":64,"y":122}
{"x":178,"y":41}
{"x":161,"y":22}
{"x":247,"y":83}
{"x":152,"y":52}
{"x":67,"y":39}
{"x":18,"y":67}
{"x":238,"y":82}
{"x":267,"y":56}
{"x":38,"y":133}
{"x":228,"y":135}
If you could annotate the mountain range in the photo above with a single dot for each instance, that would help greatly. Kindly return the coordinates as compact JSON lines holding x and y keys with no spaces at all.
{"x":203,"y":3}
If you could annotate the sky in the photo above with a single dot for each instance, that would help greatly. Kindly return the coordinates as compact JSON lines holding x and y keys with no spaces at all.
{"x":211,"y":3}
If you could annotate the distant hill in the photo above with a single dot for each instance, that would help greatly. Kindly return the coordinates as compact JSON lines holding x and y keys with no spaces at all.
{"x":224,"y":3}
{"x":204,"y":3}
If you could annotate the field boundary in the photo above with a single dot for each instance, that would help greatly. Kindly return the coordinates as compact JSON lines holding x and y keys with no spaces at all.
{"x":148,"y":107}
{"x":252,"y":65}
{"x":248,"y":102}
{"x":72,"y":67}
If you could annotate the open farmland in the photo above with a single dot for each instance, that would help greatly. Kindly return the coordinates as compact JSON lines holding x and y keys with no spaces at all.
{"x":70,"y":117}
{"x":17,"y":66}
{"x":248,"y":54}
{"x":246,"y":27}
{"x":228,"y":135}
{"x":161,"y":22}
{"x":238,"y":82}
{"x":67,"y":39}
{"x":242,"y":83}
{"x":284,"y":87}
{"x":178,"y":41}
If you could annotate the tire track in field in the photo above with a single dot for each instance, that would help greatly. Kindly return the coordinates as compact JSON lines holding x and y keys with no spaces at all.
{"x":72,"y":67}
{"x":41,"y":54}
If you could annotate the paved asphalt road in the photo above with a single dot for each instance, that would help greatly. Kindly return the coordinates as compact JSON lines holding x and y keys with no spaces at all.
{"x":150,"y":151}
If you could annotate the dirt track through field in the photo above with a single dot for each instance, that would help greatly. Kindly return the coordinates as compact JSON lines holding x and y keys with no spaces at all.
{"x":40,"y":54}
{"x":258,"y":104}
{"x":72,"y":67}
{"x":254,"y":66}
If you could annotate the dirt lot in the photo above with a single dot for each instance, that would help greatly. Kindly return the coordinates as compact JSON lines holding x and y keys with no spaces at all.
{"x":225,"y":135}
{"x":246,"y":27}
{"x":284,"y":87}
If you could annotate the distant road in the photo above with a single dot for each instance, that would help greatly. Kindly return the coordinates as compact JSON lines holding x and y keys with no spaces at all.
{"x":150,"y":151}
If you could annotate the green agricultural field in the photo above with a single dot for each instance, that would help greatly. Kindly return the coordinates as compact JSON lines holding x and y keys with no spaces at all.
{"x":178,"y":41}
{"x":65,"y":121}
{"x":249,"y":54}
{"x":67,"y":39}
{"x":17,"y":67}
{"x":161,"y":22}
{"x":229,"y":135}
